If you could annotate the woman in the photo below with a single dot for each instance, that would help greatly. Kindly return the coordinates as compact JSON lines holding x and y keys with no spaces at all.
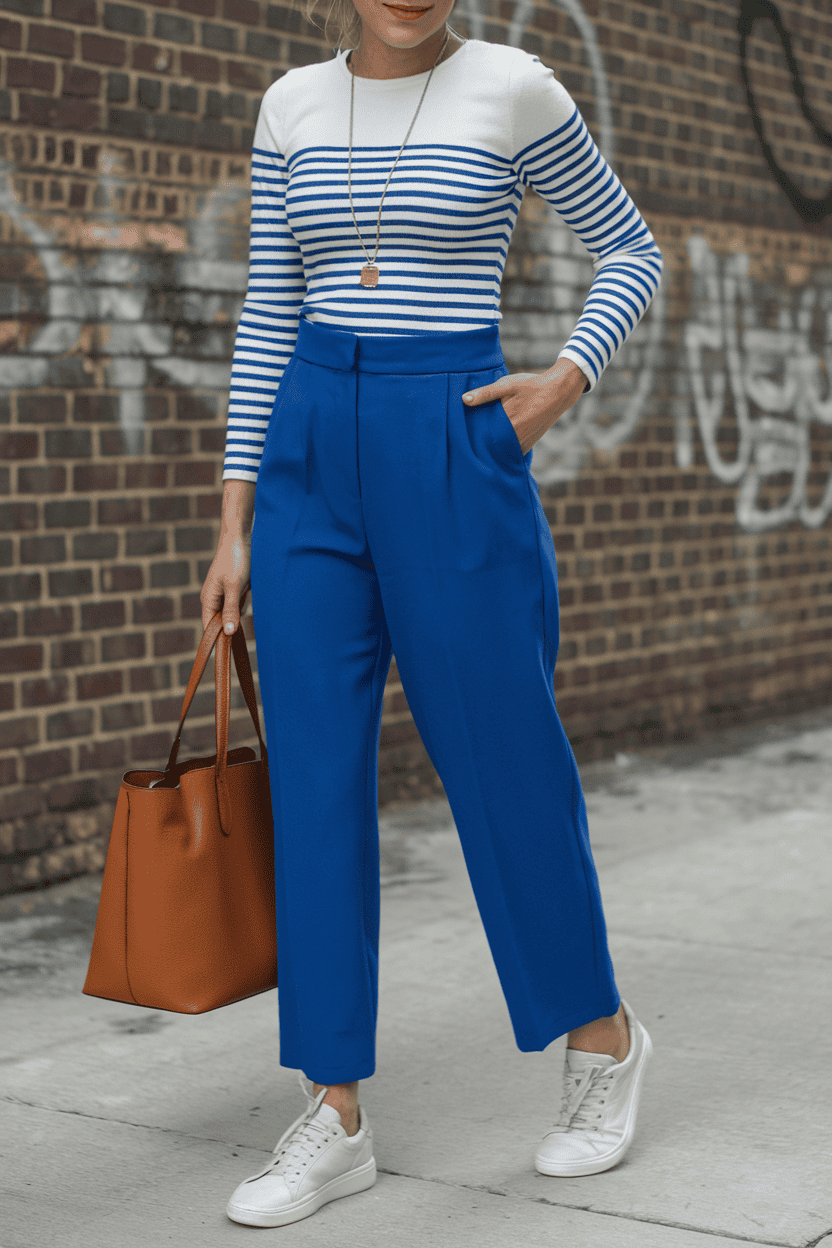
{"x":377,"y":434}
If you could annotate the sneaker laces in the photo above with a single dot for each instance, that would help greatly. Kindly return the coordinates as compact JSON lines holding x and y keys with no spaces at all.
{"x":301,"y":1141}
{"x":583,"y":1093}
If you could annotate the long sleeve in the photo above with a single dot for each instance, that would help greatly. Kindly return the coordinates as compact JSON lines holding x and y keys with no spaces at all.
{"x":557,"y":156}
{"x":268,"y":325}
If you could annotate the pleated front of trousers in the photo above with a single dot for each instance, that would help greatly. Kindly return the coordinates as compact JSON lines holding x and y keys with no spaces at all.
{"x":391,"y":518}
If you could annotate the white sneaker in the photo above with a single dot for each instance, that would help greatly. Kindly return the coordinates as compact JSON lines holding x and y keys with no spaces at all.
{"x":598,"y":1112}
{"x":316,"y":1161}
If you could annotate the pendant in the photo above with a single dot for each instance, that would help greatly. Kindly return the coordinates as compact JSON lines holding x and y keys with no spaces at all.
{"x":369,"y":275}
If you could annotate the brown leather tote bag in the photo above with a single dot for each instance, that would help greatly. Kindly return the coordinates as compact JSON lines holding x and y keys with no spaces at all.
{"x":186,"y":920}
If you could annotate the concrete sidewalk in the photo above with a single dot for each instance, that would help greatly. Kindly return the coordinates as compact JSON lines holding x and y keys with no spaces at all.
{"x":130,"y":1128}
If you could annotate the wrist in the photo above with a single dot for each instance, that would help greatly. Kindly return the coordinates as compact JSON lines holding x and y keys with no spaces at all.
{"x":565,"y":372}
{"x":573,"y":370}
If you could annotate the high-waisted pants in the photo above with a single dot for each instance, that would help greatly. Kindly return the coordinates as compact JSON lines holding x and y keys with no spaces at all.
{"x":392,"y":518}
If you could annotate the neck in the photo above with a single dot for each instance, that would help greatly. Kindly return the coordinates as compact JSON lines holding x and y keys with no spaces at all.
{"x":375,"y":59}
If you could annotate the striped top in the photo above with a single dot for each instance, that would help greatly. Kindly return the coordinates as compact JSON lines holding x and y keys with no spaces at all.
{"x":493,"y":121}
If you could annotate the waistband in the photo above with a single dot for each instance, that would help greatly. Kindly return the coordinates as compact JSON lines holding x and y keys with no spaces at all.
{"x":445,"y":351}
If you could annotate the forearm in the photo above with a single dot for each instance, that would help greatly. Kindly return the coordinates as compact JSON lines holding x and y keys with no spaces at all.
{"x":237,"y":508}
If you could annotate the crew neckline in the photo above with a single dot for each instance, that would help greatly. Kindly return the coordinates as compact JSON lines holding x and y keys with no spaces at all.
{"x":381,"y":84}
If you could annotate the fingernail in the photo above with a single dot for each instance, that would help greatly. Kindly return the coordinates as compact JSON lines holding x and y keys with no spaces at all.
{"x":229,"y":628}
{"x":468,"y":397}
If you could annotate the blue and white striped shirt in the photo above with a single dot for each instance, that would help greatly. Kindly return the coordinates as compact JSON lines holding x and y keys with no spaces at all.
{"x":493,"y":121}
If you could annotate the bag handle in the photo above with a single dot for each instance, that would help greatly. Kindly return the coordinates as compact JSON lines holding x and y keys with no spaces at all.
{"x":225,"y":647}
{"x":203,"y":654}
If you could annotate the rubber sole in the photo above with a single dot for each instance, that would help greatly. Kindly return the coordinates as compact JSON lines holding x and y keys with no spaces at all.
{"x":574,"y":1169}
{"x":348,"y":1184}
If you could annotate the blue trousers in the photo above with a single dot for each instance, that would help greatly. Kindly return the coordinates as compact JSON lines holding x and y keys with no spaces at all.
{"x":391,"y":518}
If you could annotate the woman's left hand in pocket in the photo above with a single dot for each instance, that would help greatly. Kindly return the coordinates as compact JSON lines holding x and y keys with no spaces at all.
{"x":533,"y":401}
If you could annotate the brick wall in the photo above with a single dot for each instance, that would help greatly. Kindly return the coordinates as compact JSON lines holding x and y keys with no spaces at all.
{"x":687,"y":496}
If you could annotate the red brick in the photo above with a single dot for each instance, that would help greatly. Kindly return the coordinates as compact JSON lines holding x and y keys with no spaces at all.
{"x":41,"y":408}
{"x":145,"y":476}
{"x":157,"y":610}
{"x":18,"y":445}
{"x":150,"y":746}
{"x":120,"y":715}
{"x":202,"y":68}
{"x":246,"y":11}
{"x":102,"y":614}
{"x":98,"y":684}
{"x":76,"y":653}
{"x":122,"y":646}
{"x":21,"y":804}
{"x":44,"y":692}
{"x":51,"y":40}
{"x":201,"y":738}
{"x":10,"y":34}
{"x":46,"y":764}
{"x":169,"y":709}
{"x":81,"y":81}
{"x":78,"y":12}
{"x":150,"y":679}
{"x":208,"y":506}
{"x":76,"y":722}
{"x":190,"y":607}
{"x":66,"y":113}
{"x":119,"y":511}
{"x":15,"y":733}
{"x":42,"y":479}
{"x":87,"y":478}
{"x":95,"y":407}
{"x":101,"y":755}
{"x":173,"y":641}
{"x":244,"y":75}
{"x":41,"y":621}
{"x":103,"y":50}
{"x":22,"y":72}
{"x":72,"y":795}
{"x":152,"y":58}
{"x":122,"y":579}
{"x":191,"y":473}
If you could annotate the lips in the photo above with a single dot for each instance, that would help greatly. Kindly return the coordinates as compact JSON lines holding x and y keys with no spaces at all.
{"x":407,"y":11}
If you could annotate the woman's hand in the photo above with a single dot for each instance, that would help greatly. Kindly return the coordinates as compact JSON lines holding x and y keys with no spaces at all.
{"x":534,"y":401}
{"x":228,"y":575}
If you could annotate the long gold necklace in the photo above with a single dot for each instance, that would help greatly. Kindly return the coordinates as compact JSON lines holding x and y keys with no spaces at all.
{"x":369,"y":274}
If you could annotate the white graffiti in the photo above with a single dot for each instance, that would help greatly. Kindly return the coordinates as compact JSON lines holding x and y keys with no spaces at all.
{"x":98,"y":310}
{"x":761,"y":346}
{"x":607,"y":417}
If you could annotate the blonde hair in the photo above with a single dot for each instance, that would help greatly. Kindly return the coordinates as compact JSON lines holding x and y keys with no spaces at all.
{"x":342,"y":25}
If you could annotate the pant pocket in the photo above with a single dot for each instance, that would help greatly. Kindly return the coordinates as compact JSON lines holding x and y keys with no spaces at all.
{"x":509,"y":434}
{"x":279,"y":400}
